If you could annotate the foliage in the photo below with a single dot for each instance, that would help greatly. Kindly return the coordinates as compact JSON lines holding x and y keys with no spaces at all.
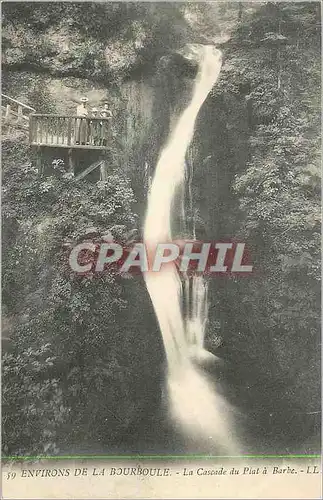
{"x":67,"y":334}
{"x":33,"y":404}
{"x":115,"y":39}
{"x":273,"y":66}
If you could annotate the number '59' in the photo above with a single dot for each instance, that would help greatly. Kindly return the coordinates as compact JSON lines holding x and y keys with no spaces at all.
{"x":11,"y":475}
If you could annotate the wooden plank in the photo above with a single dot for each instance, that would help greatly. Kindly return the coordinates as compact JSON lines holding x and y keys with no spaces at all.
{"x":18,"y":102}
{"x":45,"y":124}
{"x":69,"y":131}
{"x":7,"y":115}
{"x":71,"y":116}
{"x":39,"y":131}
{"x":88,"y":170}
{"x":31,"y":130}
{"x":19,"y":119}
{"x":52,"y":130}
{"x":70,"y":161}
{"x":73,"y":146}
{"x":104,"y":170}
{"x":39,"y":161}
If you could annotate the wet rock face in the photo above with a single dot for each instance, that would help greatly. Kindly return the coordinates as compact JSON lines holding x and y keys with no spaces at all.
{"x":180,"y":64}
{"x":151,"y":104}
{"x":219,"y":149}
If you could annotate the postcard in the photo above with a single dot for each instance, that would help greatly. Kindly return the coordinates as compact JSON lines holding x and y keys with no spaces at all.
{"x":161,"y":320}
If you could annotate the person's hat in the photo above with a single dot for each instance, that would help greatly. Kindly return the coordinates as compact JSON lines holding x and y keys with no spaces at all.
{"x":84,"y":99}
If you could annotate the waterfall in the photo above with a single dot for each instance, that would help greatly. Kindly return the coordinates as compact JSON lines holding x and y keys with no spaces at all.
{"x":200,"y":413}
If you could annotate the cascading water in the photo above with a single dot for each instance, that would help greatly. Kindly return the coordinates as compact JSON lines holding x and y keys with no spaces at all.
{"x":200,"y":413}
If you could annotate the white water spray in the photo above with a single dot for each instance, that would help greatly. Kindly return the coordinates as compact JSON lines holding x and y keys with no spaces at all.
{"x":201,"y":414}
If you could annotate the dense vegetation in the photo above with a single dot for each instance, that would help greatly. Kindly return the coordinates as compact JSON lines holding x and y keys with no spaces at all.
{"x":70,"y":336}
{"x":273,"y":68}
{"x":113,"y":41}
{"x":81,"y":350}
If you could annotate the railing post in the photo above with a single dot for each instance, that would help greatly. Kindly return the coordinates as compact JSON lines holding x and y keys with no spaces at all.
{"x":38,"y":130}
{"x":46,"y":129}
{"x":104,"y":171}
{"x":69,"y":131}
{"x":39,"y":165}
{"x":70,"y":161}
{"x":19,"y":119}
{"x":8,"y":111}
{"x":31,"y":128}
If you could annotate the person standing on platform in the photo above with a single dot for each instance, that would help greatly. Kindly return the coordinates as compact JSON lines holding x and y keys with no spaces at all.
{"x":105,"y":124}
{"x":82,"y":129}
{"x":94,"y":128}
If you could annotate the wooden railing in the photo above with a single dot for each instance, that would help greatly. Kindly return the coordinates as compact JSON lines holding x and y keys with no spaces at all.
{"x":15,"y":113}
{"x":69,"y":131}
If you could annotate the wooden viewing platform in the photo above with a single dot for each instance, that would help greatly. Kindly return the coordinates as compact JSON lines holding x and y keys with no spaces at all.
{"x":60,"y":131}
{"x":72,"y":132}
